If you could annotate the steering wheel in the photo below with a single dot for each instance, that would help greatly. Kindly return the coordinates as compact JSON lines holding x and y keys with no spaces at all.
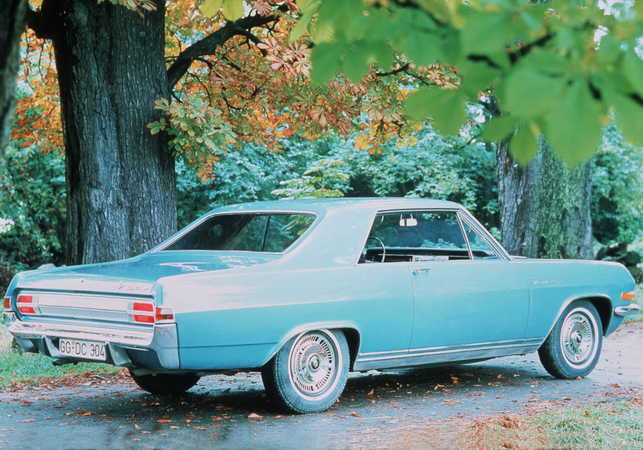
{"x":381,"y":244}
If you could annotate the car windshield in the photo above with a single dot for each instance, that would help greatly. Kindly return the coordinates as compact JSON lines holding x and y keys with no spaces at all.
{"x":272,"y":233}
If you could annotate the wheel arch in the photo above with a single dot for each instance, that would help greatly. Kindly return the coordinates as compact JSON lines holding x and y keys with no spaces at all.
{"x":602,"y":303}
{"x":604,"y":307}
{"x":354,"y":339}
{"x":350,"y":330}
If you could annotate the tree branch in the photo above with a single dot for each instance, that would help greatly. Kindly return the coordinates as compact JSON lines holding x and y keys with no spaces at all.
{"x":393,"y":72}
{"x":525,"y":49}
{"x":209,"y":44}
{"x":46,"y":21}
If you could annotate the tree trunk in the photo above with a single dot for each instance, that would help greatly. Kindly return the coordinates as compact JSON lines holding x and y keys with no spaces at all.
{"x":545,"y":207}
{"x":121,"y":193}
{"x":12,"y":25}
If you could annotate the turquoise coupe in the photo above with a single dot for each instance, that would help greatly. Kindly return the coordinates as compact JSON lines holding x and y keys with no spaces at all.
{"x":305,"y":291}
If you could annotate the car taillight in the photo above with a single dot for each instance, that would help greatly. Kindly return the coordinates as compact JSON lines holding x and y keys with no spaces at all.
{"x":25,"y":304}
{"x":164,"y":313}
{"x":143,"y":312}
{"x":7,"y":304}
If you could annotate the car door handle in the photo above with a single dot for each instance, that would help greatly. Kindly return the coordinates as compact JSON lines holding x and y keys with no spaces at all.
{"x":416,"y":271}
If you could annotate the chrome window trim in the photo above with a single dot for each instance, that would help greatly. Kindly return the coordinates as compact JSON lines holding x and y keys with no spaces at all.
{"x":482,"y":232}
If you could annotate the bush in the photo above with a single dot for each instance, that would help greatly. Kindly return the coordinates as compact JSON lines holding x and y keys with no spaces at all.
{"x":32,"y":202}
{"x":617,"y":190}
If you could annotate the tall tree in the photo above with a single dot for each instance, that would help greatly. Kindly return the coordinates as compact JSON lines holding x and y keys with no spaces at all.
{"x":12,"y":16}
{"x":120,"y":178}
{"x":544,"y":206}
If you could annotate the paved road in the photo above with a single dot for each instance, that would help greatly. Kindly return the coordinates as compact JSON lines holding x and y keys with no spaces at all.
{"x":377,"y":410}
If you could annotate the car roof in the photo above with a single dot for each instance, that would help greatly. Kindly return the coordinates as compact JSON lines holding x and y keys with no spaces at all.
{"x":335,"y":204}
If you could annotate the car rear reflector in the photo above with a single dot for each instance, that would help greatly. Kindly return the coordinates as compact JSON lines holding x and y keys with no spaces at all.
{"x":139,"y":306}
{"x":143,"y":319}
{"x":7,"y":304}
{"x":164,"y":313}
{"x":25,"y":304}
{"x":147,"y":310}
{"x":628,"y":295}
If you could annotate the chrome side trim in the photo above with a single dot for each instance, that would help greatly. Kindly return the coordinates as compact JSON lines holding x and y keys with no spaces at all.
{"x":441,"y":355}
{"x":629,"y":310}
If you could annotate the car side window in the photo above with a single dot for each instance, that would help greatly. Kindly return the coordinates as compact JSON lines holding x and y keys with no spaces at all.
{"x":415,"y":236}
{"x":284,"y":229}
{"x":245,"y":232}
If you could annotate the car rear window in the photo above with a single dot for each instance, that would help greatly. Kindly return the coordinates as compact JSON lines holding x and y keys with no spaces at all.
{"x":245,"y":232}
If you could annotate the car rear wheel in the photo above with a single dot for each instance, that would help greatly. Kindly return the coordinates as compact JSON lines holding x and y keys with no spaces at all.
{"x":574,"y":344}
{"x":309,"y":373}
{"x":166,"y":383}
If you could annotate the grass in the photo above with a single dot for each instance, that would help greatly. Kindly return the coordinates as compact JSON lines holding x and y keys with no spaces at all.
{"x":17,"y":367}
{"x":596,"y":427}
{"x":606,"y":426}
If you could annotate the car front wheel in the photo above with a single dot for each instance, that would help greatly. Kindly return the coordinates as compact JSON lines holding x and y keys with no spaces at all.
{"x":309,"y":373}
{"x":574,"y":344}
{"x":166,"y":383}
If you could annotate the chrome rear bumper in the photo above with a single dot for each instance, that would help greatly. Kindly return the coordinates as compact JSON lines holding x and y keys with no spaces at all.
{"x":128,"y":346}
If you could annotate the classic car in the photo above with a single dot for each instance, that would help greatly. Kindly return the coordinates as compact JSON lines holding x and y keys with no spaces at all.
{"x":305,"y":291}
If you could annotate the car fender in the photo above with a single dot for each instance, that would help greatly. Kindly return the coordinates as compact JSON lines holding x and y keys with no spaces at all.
{"x":596,"y":299}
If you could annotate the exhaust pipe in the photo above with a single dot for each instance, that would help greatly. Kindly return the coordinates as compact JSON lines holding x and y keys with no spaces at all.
{"x":63,"y":362}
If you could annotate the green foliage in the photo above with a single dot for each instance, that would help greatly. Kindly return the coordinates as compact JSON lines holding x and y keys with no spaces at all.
{"x":323,"y":179}
{"x":32,"y":198}
{"x":617,"y":190}
{"x":246,"y":175}
{"x":542,"y":62}
{"x":458,"y":168}
{"x":196,"y":141}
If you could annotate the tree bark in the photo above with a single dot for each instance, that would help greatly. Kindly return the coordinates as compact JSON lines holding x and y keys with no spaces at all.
{"x":545,"y":207}
{"x":12,"y":25}
{"x":121,"y":193}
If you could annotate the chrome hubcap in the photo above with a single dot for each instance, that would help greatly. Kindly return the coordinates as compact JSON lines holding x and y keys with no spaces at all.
{"x":578,"y":339}
{"x":313,"y":363}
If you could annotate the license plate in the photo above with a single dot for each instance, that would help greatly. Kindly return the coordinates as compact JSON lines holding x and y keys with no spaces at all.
{"x":83,"y":349}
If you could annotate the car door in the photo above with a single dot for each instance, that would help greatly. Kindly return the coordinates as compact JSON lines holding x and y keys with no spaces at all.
{"x":467,"y":306}
{"x":469,"y":298}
